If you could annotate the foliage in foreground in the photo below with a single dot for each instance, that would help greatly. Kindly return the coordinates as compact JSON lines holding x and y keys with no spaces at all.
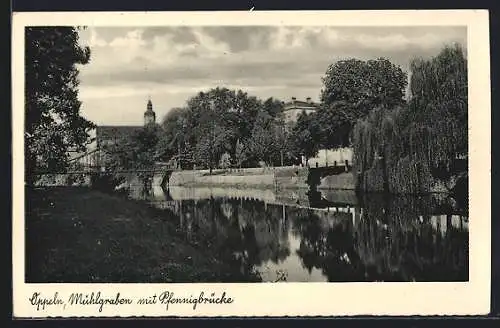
{"x":53,"y":123}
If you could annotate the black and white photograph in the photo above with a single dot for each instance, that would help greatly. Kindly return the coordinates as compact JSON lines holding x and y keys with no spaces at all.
{"x":265,"y":153}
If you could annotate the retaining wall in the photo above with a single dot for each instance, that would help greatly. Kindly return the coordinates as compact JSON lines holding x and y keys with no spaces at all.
{"x":283,"y":178}
{"x":286,"y":177}
{"x":247,"y":180}
{"x":338,"y":181}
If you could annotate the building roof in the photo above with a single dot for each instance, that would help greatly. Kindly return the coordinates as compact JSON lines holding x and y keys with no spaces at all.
{"x":298,"y":104}
{"x":116,"y":132}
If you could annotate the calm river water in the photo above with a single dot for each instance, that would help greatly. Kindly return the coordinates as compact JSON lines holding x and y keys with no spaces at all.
{"x":333,"y":236}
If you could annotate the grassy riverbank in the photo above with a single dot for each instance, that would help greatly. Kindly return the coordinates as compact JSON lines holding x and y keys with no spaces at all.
{"x":75,"y":234}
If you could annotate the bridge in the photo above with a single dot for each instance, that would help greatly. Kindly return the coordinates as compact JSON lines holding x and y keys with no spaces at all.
{"x":317,"y":173}
{"x":86,"y":164}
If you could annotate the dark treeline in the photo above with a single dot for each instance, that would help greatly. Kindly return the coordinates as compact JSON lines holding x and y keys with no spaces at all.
{"x":225,"y":128}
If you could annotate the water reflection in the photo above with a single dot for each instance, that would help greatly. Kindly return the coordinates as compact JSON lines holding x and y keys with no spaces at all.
{"x":324,"y":236}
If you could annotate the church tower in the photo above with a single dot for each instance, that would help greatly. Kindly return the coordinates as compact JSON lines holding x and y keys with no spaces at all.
{"x":149,"y":114}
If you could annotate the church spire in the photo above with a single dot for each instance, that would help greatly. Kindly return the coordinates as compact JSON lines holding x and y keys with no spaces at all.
{"x":150,"y":105}
{"x":149,"y":115}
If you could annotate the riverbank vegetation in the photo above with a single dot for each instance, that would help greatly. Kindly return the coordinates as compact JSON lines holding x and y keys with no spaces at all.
{"x":412,"y":147}
{"x":81,"y":235}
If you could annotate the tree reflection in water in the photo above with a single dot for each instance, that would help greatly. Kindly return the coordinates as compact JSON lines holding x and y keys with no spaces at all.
{"x":245,"y":234}
{"x":330,"y":249}
{"x":381,"y":239}
{"x":390,"y":239}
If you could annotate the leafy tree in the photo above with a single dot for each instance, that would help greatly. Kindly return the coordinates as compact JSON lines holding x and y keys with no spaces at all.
{"x":213,"y":111}
{"x":246,"y":108}
{"x":305,"y":139}
{"x":364,"y":85}
{"x":144,"y":144}
{"x":263,"y":143}
{"x":225,"y":161}
{"x":334,"y":123}
{"x":281,"y":136}
{"x":439,"y":100}
{"x":53,"y":124}
{"x":172,"y":132}
{"x":273,"y":106}
{"x":211,"y":146}
{"x":212,"y":123}
{"x":176,"y":137}
{"x":240,"y":153}
{"x":139,"y":152}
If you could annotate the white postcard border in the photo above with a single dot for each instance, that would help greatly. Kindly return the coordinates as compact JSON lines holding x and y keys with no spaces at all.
{"x":282,"y":299}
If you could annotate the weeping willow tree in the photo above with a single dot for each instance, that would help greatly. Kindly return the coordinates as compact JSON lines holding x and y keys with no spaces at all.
{"x":404,"y":149}
{"x":439,"y":103}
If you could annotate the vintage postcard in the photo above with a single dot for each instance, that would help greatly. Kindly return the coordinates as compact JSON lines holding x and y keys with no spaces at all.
{"x":307,"y":163}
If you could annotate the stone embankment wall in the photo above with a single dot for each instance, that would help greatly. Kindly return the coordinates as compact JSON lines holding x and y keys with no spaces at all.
{"x":277,"y":178}
{"x":280,"y":178}
{"x":284,"y":177}
{"x":264,"y":180}
{"x":338,"y":181}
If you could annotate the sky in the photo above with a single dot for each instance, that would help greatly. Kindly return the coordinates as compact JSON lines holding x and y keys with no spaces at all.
{"x":172,"y":64}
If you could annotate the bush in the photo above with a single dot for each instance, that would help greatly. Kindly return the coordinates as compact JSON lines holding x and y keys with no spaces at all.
{"x":225,"y":161}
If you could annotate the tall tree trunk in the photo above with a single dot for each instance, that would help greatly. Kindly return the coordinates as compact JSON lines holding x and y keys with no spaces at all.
{"x":179,"y":155}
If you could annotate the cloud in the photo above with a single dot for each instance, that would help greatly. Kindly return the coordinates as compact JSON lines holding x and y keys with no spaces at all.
{"x":95,"y":41}
{"x":174,"y":63}
{"x":396,"y":42}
